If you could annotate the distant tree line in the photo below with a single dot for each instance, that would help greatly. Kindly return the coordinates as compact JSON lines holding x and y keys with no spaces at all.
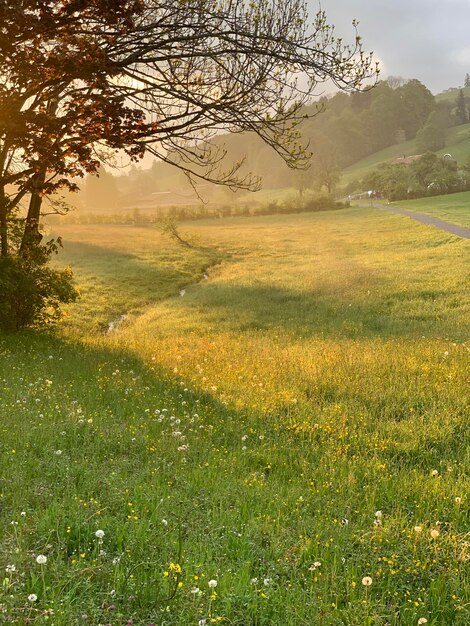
{"x":351,"y":127}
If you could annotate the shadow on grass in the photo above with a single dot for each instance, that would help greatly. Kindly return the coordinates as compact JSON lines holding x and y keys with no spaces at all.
{"x":117,"y":282}
{"x":322,"y":312}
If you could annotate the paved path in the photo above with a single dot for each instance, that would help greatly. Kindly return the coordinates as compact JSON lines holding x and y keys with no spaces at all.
{"x":460,"y":231}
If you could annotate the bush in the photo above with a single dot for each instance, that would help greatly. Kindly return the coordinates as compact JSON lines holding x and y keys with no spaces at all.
{"x":31,"y":293}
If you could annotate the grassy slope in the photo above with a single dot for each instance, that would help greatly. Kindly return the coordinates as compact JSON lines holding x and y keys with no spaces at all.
{"x":317,"y":376}
{"x":451,"y":96}
{"x":121,"y":269}
{"x":457,"y":144}
{"x":454,"y":208}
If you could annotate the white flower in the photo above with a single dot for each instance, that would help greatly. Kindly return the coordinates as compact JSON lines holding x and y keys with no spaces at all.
{"x":418,"y":529}
{"x":434,"y":533}
{"x":202,"y":622}
{"x":23,"y":513}
{"x":100,"y":534}
{"x":434,"y":473}
{"x":41,"y":559}
{"x":254,"y":581}
{"x":195,"y":590}
{"x":212,"y":584}
{"x":378,"y":514}
{"x":32,"y":597}
{"x":58,"y":452}
{"x":10,"y":569}
{"x":422,"y":620}
{"x":367,"y":581}
{"x":314,"y":566}
{"x":267,"y":581}
{"x":458,"y":500}
{"x":165,"y":522}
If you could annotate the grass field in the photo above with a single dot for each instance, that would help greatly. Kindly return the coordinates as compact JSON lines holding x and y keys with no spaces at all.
{"x":286,"y":444}
{"x":454,"y":208}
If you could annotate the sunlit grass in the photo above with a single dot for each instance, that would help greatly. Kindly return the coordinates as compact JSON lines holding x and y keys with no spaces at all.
{"x":288,"y":427}
{"x":454,"y":208}
{"x":121,"y":270}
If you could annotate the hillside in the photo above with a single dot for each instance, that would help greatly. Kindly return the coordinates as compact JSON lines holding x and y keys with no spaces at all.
{"x":457,"y":144}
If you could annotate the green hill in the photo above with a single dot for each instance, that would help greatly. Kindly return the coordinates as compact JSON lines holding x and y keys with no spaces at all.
{"x":457,"y":144}
{"x":451,"y":94}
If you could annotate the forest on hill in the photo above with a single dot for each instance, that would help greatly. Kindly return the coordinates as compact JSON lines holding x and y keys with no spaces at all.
{"x":345,"y":129}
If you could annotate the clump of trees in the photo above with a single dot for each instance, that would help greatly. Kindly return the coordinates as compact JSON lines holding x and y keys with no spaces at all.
{"x":426,"y":176}
{"x":84,"y":80}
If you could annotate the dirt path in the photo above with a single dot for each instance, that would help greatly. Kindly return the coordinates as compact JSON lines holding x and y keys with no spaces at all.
{"x":448,"y":227}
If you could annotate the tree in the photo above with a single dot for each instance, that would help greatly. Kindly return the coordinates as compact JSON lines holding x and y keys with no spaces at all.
{"x":83,"y":80}
{"x":467,"y":80}
{"x":461,"y":112}
{"x":325,"y":169}
{"x":430,"y":138}
{"x":417,"y":102}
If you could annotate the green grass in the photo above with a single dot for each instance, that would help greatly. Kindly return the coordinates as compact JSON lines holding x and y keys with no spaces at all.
{"x":247,"y":432}
{"x":123,"y":269}
{"x":454,"y":208}
{"x":451,"y":96}
{"x":358,"y":170}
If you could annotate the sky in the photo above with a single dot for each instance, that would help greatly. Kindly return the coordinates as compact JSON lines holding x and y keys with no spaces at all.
{"x":424,"y":39}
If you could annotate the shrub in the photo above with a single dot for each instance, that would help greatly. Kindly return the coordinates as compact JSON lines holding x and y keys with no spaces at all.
{"x":31,"y":292}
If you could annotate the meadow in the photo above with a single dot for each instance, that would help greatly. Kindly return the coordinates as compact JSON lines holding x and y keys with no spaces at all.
{"x":275,"y":435}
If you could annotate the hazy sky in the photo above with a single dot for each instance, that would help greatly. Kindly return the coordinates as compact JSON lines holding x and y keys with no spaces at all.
{"x":424,"y":39}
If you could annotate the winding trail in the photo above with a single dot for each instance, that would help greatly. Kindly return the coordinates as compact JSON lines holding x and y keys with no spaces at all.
{"x":448,"y":227}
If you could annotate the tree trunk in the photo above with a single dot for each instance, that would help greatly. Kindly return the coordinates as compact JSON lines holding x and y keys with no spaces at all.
{"x":31,"y":235}
{"x":3,"y":226}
